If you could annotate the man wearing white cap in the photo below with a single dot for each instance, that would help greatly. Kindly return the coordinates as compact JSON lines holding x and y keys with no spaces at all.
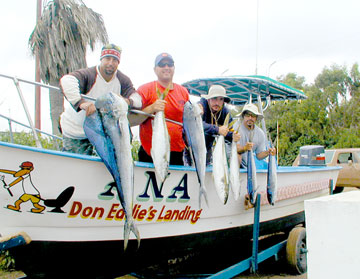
{"x":93,"y":82}
{"x":215,"y":112}
{"x":252,"y":137}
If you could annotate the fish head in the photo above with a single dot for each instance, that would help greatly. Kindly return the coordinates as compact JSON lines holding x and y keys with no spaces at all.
{"x":191,"y":110}
{"x":111,"y":105}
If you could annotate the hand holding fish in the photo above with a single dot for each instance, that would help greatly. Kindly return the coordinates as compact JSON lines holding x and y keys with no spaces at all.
{"x":158,"y":105}
{"x":223,"y":130}
{"x":271,"y":151}
{"x":248,"y":146}
{"x":236,"y":137}
{"x":89,"y":107}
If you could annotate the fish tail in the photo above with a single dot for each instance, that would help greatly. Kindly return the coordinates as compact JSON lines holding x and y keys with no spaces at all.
{"x":203,"y":193}
{"x":130,"y":227}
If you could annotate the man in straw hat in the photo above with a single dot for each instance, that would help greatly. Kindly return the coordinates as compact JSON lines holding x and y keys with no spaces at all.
{"x":93,"y":82}
{"x":214,"y":114}
{"x":252,"y":137}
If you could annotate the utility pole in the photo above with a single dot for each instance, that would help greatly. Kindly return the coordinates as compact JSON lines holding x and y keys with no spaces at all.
{"x":257,"y":37}
{"x":37,"y":76}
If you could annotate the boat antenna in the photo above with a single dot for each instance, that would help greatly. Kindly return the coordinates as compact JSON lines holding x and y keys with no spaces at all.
{"x":257,"y":36}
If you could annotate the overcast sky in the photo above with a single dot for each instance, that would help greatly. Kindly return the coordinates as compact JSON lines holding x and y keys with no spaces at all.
{"x":206,"y":38}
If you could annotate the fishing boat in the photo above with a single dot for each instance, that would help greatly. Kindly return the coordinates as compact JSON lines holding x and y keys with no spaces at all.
{"x":79,"y":205}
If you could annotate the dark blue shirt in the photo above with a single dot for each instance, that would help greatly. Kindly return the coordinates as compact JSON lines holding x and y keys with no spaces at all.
{"x":209,"y":123}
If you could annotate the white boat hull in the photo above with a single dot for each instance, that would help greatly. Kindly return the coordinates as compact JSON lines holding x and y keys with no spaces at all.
{"x":90,"y":215}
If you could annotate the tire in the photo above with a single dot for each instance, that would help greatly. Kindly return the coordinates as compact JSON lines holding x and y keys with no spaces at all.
{"x":296,"y":250}
{"x":338,"y":190}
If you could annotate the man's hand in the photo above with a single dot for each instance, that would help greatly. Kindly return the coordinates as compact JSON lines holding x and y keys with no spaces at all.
{"x":158,"y":105}
{"x":272,"y":151}
{"x":223,"y":130}
{"x":249,"y":146}
{"x":236,"y":136}
{"x":89,"y":108}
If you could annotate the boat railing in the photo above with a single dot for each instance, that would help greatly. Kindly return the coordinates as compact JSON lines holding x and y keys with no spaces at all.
{"x":10,"y":121}
{"x":17,"y":81}
{"x":35,"y":131}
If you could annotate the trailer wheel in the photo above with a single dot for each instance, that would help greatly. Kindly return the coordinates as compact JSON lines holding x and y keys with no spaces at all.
{"x":296,"y":250}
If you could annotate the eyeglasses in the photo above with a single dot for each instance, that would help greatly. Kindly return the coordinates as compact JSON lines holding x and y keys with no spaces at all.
{"x":163,"y":64}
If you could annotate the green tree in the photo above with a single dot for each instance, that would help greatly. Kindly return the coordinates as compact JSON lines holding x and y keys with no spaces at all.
{"x":60,"y":38}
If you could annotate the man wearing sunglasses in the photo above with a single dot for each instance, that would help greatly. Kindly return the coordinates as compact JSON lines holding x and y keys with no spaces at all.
{"x":252,"y":137}
{"x":214,"y":114}
{"x":172,"y":105}
{"x":93,"y":82}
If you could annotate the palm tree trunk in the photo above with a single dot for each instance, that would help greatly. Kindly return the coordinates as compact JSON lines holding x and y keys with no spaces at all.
{"x":56,"y":108}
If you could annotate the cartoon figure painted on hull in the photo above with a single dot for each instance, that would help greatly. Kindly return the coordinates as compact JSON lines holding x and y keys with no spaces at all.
{"x":30,"y":192}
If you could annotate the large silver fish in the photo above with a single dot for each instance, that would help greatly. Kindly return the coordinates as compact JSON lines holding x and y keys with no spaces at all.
{"x":160,"y":144}
{"x":251,"y":177}
{"x":109,"y":132}
{"x":271,"y":186}
{"x":194,"y":130}
{"x":234,"y":171}
{"x":221,"y":170}
{"x":221,"y":167}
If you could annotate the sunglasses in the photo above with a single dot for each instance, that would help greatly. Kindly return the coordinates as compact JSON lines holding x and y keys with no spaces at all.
{"x":163,"y":64}
{"x":247,"y":114}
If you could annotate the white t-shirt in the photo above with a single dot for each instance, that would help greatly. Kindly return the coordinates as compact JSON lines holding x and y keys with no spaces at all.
{"x":72,"y":121}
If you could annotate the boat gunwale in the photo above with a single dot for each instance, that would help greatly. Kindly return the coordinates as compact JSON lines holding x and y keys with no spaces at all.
{"x":280,"y":169}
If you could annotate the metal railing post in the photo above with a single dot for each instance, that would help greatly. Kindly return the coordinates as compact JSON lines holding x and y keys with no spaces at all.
{"x":16,"y":82}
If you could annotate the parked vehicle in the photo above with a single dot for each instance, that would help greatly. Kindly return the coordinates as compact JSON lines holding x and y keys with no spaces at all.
{"x":349,"y":160}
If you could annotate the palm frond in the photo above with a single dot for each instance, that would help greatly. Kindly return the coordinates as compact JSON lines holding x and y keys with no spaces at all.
{"x":62,"y":35}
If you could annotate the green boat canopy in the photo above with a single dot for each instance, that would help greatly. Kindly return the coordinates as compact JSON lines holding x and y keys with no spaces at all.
{"x":243,"y":89}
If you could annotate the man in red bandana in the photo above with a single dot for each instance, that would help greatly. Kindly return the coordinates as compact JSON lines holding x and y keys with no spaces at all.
{"x":93,"y":82}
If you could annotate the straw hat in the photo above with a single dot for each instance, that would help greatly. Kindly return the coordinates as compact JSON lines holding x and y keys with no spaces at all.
{"x":253,"y":109}
{"x":216,"y":91}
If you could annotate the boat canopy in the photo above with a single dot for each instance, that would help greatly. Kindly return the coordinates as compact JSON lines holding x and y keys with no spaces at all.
{"x":243,"y":89}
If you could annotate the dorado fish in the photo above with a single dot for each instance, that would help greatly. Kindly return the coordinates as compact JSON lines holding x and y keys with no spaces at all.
{"x":220,"y":167}
{"x":108,"y":130}
{"x":271,"y":186}
{"x":194,"y":130}
{"x":160,"y":144}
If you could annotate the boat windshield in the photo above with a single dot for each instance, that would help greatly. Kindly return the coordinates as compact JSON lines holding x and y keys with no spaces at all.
{"x":329,"y":154}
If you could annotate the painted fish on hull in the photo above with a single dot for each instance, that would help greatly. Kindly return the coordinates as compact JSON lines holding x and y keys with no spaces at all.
{"x":108,"y":130}
{"x":194,"y":131}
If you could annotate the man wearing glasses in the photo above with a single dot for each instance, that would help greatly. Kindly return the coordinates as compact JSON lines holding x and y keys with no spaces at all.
{"x":172,"y":105}
{"x":252,"y":137}
{"x":93,"y":82}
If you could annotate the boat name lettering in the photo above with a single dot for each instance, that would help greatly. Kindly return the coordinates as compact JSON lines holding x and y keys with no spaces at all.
{"x":181,"y":187}
{"x":178,"y":193}
{"x":140,"y":213}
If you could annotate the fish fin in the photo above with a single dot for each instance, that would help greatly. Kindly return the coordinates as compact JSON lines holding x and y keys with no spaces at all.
{"x":163,"y":95}
{"x":231,"y":124}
